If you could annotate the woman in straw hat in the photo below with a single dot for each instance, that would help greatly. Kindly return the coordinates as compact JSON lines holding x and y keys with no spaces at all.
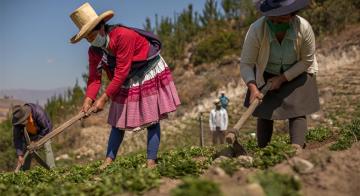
{"x":141,"y":87}
{"x":280,"y":48}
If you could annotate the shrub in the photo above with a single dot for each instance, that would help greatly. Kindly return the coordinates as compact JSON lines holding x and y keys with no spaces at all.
{"x":7,"y":153}
{"x":329,"y":16}
{"x":216,"y":46}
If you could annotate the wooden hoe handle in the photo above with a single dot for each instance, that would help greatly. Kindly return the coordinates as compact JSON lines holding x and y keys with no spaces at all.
{"x":251,"y":108}
{"x":36,"y":145}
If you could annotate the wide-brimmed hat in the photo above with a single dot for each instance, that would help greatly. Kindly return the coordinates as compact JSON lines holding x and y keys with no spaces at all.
{"x":86,"y":19}
{"x":20,"y":114}
{"x":216,"y":101}
{"x":279,"y":7}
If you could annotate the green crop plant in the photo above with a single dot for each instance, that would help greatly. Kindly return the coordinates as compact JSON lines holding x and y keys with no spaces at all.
{"x":230,"y":166}
{"x":196,"y":187}
{"x":318,"y":134}
{"x":275,"y":184}
{"x":348,"y":135}
{"x":276,"y":151}
{"x":178,"y":163}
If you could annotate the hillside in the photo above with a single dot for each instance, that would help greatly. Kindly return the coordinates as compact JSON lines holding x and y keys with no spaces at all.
{"x":334,"y":53}
{"x":32,"y":96}
{"x":329,"y":165}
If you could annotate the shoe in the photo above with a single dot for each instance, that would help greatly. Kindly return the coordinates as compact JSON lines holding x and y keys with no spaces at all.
{"x":106,"y":163}
{"x":298,"y":148}
{"x":151,"y":164}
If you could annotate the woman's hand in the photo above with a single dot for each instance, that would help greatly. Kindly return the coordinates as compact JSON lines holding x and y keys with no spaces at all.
{"x":254,"y":92}
{"x":87,"y":104}
{"x":277,"y":81}
{"x":100,"y":103}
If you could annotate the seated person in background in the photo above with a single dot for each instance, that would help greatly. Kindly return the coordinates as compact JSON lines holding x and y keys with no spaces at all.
{"x":33,"y":119}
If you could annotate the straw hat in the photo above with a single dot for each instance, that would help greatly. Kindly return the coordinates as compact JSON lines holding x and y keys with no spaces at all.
{"x":20,"y":114}
{"x":279,"y":7}
{"x":216,"y":101}
{"x":86,"y":19}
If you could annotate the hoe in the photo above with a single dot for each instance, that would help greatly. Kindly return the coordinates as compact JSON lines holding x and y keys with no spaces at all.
{"x":232,"y":136}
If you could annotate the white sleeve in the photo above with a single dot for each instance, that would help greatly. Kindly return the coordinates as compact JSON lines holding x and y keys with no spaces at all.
{"x":226,"y":120}
{"x":211,"y":122}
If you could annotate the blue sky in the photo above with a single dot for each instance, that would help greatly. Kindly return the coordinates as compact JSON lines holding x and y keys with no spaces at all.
{"x":35,"y":52}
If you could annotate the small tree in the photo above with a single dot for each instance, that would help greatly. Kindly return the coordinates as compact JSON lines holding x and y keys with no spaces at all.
{"x":210,"y":13}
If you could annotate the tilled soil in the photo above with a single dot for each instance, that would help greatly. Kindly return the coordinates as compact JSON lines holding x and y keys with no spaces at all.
{"x":335,"y":173}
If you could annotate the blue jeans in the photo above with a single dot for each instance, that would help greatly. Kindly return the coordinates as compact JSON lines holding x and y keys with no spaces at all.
{"x":117,"y":136}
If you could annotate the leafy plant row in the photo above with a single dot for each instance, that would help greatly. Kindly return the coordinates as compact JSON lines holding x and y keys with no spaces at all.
{"x":127,"y":174}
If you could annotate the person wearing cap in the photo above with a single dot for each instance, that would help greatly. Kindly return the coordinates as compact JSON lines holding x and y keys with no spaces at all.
{"x":224,"y":100}
{"x":33,"y":119}
{"x":279,"y":48}
{"x":141,"y":88}
{"x":218,"y":122}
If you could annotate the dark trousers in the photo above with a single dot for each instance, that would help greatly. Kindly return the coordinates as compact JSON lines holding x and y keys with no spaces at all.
{"x":218,"y":136}
{"x":297,"y":131}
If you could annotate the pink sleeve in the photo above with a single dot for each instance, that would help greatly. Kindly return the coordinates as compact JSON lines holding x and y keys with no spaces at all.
{"x":94,"y":79}
{"x":124,"y":52}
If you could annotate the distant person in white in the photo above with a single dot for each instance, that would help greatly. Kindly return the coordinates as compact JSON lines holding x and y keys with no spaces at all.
{"x":218,"y":121}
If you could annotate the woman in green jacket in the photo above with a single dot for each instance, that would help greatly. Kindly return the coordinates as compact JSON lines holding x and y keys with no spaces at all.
{"x":280,"y":48}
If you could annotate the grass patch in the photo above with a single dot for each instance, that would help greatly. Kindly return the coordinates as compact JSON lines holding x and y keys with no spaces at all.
{"x":318,"y":134}
{"x":196,"y":187}
{"x":275,"y":184}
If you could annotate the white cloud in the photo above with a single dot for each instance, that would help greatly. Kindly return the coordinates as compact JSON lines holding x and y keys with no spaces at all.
{"x":50,"y":61}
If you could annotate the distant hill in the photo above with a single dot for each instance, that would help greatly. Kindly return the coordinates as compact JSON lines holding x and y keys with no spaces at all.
{"x":33,"y":96}
{"x":5,"y":105}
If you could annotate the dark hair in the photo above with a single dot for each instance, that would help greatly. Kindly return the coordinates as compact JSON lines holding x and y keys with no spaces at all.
{"x":294,"y":13}
{"x":98,"y":26}
{"x":291,"y":14}
{"x":109,"y":27}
